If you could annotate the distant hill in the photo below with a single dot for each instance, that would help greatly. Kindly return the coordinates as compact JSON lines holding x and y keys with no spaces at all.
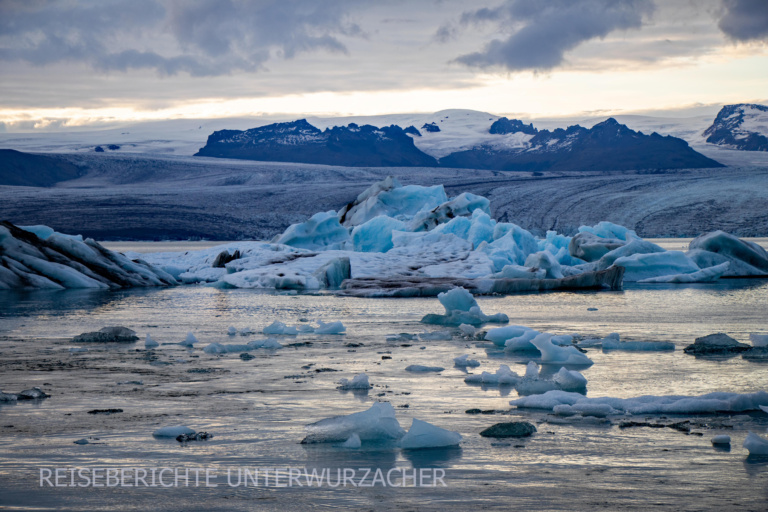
{"x":511,"y":146}
{"x":300,"y":142}
{"x":743,"y":126}
{"x":25,"y":169}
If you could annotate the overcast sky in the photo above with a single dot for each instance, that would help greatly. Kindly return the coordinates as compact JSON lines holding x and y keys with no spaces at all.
{"x":75,"y":62}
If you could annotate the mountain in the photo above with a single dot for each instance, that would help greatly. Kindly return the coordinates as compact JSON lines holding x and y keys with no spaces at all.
{"x":509,"y":145}
{"x":604,"y":147}
{"x":300,"y":142}
{"x":743,"y":126}
{"x":24,"y":169}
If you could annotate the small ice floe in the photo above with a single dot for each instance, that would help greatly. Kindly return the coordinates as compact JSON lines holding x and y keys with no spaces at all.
{"x":107,"y":335}
{"x":436,"y":336}
{"x":756,"y":445}
{"x":711,"y":403}
{"x":553,"y":354}
{"x":462,"y":308}
{"x":612,"y":342}
{"x":246,"y":331}
{"x":418,"y":368}
{"x":8,"y":397}
{"x":565,"y":380}
{"x":150,"y":343}
{"x":173,"y":431}
{"x":231,"y":331}
{"x":596,"y":410}
{"x":504,"y":376}
{"x":189,"y":341}
{"x":230,"y":348}
{"x":78,"y":350}
{"x":32,"y":394}
{"x":375,"y":424}
{"x":403,"y":336}
{"x":514,"y":338}
{"x":353,"y":442}
{"x":721,"y":440}
{"x":465,"y":362}
{"x":278,"y":327}
{"x":423,"y":435}
{"x":759,"y":340}
{"x":330,"y":328}
{"x":718,"y":343}
{"x":81,"y":441}
{"x":468,"y":330}
{"x":359,"y":381}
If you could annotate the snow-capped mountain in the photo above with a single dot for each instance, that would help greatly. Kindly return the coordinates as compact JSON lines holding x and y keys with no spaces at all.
{"x":743,"y":126}
{"x":504,"y":144}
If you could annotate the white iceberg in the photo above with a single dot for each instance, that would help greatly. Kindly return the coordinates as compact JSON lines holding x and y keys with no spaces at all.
{"x":504,"y":376}
{"x":553,"y":354}
{"x":465,"y":362}
{"x":639,"y":267}
{"x":330,"y":328}
{"x":756,"y":445}
{"x":425,"y":435}
{"x":189,"y":341}
{"x":150,"y":343}
{"x":358,"y":382}
{"x":375,"y":424}
{"x":461,"y":308}
{"x":278,"y":327}
{"x":721,"y":440}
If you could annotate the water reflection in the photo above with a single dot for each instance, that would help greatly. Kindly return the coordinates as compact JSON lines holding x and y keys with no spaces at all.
{"x":433,"y":457}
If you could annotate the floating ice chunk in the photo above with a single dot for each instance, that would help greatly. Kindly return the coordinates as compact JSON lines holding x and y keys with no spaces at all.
{"x":465,"y":362}
{"x":586,"y":409}
{"x":504,"y":376}
{"x":552,"y":354}
{"x":612,"y":342}
{"x":425,"y":435}
{"x":633,"y":247}
{"x":468,"y":330}
{"x":645,"y":266}
{"x":81,"y":441}
{"x":174,"y":431}
{"x":461,"y":308}
{"x":150,"y":343}
{"x":115,"y":334}
{"x":421,"y":368}
{"x":321,"y":231}
{"x":215,"y":348}
{"x":330,"y":328}
{"x":759,"y":340}
{"x":246,"y":331}
{"x":231,"y":331}
{"x":670,"y":404}
{"x":722,"y":439}
{"x":8,"y":397}
{"x":375,"y":424}
{"x":500,"y":335}
{"x":353,"y":442}
{"x":358,"y":382}
{"x":531,"y":371}
{"x":702,"y":276}
{"x":278,"y":327}
{"x":563,"y":340}
{"x":436,"y":336}
{"x":570,"y":380}
{"x":189,"y":341}
{"x":268,"y":344}
{"x":545,"y":261}
{"x":376,"y":234}
{"x":745,"y":258}
{"x":756,"y":445}
{"x":522,"y":343}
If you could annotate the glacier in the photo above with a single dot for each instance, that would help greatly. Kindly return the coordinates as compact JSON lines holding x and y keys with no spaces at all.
{"x":393,"y":240}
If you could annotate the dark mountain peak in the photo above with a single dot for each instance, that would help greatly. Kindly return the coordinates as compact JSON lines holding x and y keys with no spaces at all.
{"x":431,"y":127}
{"x":502,"y":126}
{"x":413,"y":131}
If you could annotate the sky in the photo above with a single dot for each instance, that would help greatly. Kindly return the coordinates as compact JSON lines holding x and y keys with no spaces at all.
{"x":66,"y":64}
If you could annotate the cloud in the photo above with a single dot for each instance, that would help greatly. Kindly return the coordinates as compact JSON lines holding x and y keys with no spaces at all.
{"x":540,"y":33}
{"x":198,"y":37}
{"x":745,"y":20}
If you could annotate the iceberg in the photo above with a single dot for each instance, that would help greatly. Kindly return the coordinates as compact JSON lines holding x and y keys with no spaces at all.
{"x":358,"y":382}
{"x":644,"y":266}
{"x":759,"y":340}
{"x":150,"y":343}
{"x":756,"y":445}
{"x":745,"y":258}
{"x":377,"y":424}
{"x":465,"y":362}
{"x":504,"y":376}
{"x":704,"y":275}
{"x":565,"y":380}
{"x":423,"y":435}
{"x":461,"y":308}
{"x":321,"y":231}
{"x":189,"y":341}
{"x":330,"y":328}
{"x":553,"y":354}
{"x":376,"y":234}
{"x":278,"y":327}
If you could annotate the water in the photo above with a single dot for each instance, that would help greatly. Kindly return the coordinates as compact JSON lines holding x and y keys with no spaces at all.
{"x":257,"y":409}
